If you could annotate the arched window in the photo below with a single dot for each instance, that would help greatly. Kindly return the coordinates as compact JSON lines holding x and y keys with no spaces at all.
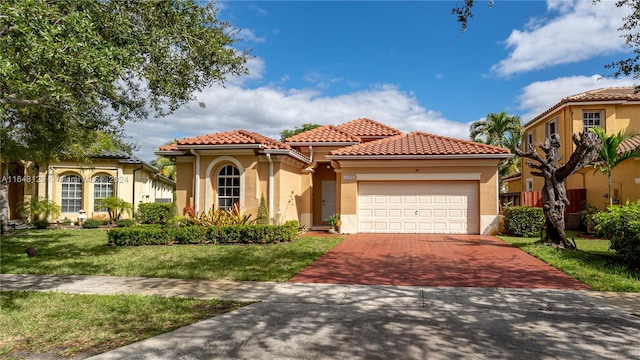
{"x":228,"y":186}
{"x":102,"y":188}
{"x":71,"y":197}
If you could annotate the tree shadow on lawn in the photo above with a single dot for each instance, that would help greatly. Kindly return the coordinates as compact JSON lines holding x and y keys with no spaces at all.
{"x":56,"y":250}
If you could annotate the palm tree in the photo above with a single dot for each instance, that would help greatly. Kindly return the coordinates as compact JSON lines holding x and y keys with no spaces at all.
{"x":500,"y":129}
{"x":610,"y":155}
{"x":512,"y":165}
{"x":166,"y":166}
{"x":495,"y":128}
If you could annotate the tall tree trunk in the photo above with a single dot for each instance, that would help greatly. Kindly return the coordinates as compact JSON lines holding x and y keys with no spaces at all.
{"x":610,"y":188}
{"x":554,"y":194}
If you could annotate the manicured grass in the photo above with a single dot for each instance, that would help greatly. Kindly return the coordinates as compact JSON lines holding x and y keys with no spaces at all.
{"x":593,"y":263}
{"x":64,"y":325}
{"x":84,"y":252}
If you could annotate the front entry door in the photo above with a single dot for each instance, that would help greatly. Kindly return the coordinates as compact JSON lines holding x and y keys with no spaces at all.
{"x":328,"y":199}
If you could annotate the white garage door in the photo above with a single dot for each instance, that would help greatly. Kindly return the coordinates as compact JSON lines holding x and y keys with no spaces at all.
{"x":418,"y":207}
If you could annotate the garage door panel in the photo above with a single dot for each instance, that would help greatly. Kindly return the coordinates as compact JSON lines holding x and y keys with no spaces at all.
{"x":380,"y":200}
{"x":395,"y":200}
{"x":366,"y":213}
{"x":439,"y":213}
{"x":457,"y":213}
{"x":426,"y":207}
{"x":425,"y":213}
{"x":440,"y":199}
{"x":395,"y":213}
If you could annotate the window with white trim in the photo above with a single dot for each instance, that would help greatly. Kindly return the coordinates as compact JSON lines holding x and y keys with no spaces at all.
{"x":550,"y":127}
{"x":102,"y":188}
{"x":71,"y":197}
{"x":529,"y":140}
{"x":529,"y":185}
{"x":228,"y":186}
{"x":591,"y":119}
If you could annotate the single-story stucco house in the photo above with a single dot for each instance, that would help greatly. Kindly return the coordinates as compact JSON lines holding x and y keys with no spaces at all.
{"x":377,"y":178}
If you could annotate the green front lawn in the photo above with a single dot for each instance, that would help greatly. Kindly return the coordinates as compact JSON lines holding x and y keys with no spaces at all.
{"x":593,"y":263}
{"x":84,"y":252}
{"x":65,"y":325}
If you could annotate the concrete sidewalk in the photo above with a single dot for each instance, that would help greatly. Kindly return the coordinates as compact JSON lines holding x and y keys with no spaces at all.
{"x":320,"y":321}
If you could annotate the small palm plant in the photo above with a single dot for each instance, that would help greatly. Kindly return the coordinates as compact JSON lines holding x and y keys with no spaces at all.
{"x":38,"y":211}
{"x":115,"y":207}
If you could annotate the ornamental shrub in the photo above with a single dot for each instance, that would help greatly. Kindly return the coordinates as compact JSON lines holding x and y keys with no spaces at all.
{"x":195,"y":234}
{"x":155,"y":213}
{"x":188,"y":234}
{"x":523,"y":221}
{"x":621,"y":225}
{"x":125,"y":222}
{"x":263,"y":212}
{"x":91,"y":223}
{"x":139,"y":235}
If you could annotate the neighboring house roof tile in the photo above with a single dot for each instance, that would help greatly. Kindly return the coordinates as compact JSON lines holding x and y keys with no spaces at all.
{"x":107,"y":154}
{"x":629,"y":144}
{"x":170,"y":147}
{"x":365,"y":128}
{"x":598,"y":95}
{"x":324,"y":134}
{"x":235,"y":137}
{"x":418,"y":143}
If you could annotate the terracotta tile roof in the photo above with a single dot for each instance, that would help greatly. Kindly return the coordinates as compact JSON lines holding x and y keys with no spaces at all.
{"x":170,"y":147}
{"x":364,"y":128}
{"x":235,"y":137}
{"x":324,"y":134}
{"x":629,"y":144}
{"x":418,"y":143}
{"x":602,"y":95}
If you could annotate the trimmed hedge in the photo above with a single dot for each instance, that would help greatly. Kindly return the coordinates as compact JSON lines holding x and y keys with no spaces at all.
{"x":125,"y":222}
{"x":92,"y":223}
{"x":236,"y":234}
{"x":523,"y":221}
{"x":155,"y":213}
{"x":621,"y":225}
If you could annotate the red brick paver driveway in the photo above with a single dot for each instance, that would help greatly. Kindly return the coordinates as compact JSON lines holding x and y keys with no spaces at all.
{"x":433,"y":260}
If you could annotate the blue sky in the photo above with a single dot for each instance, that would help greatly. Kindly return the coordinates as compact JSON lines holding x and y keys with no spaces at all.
{"x":401,"y":63}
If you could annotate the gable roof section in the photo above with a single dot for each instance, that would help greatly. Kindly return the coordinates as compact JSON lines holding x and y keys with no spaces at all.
{"x":367,"y":128}
{"x":124,"y":158}
{"x":420,"y":145}
{"x":602,"y":95}
{"x":323,"y":134}
{"x":235,"y":139}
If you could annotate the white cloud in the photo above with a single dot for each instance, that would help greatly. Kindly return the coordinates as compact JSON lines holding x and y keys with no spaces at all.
{"x":256,"y":67}
{"x":540,"y":96}
{"x":580,"y":31}
{"x":248,"y":35}
{"x":269,"y":110}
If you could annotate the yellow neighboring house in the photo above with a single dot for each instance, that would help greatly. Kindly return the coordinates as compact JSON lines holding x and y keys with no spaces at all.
{"x":377,"y":178}
{"x":613,"y":109}
{"x":77,"y":186}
